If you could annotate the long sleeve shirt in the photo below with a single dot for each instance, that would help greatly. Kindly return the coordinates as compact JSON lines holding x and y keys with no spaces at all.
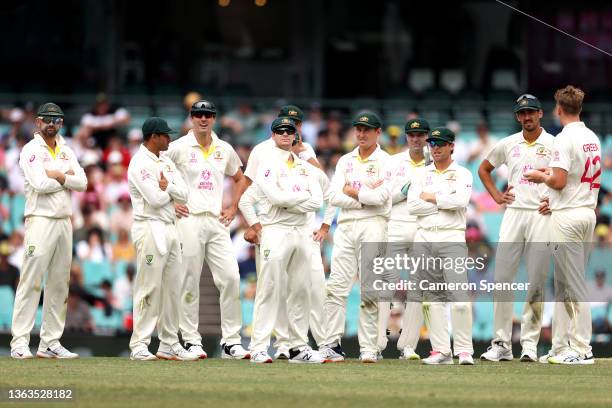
{"x":452,"y":188}
{"x":402,"y":168}
{"x":149,"y":201}
{"x":204,"y":170}
{"x":288,"y":190}
{"x":361,"y":174}
{"x":45,"y":196}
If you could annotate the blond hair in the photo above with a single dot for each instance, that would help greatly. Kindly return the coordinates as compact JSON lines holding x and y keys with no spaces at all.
{"x":570,"y":99}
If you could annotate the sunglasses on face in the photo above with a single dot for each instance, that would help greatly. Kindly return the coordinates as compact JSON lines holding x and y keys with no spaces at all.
{"x":283,"y":131}
{"x":199,"y":115}
{"x":525,"y":96}
{"x":52,"y":119}
{"x":437,"y":143}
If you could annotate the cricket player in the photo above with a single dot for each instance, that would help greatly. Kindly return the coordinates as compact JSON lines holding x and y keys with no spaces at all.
{"x":259,"y":154}
{"x":51,"y":171}
{"x":203,"y":161}
{"x":155,"y":185}
{"x":524,"y":231}
{"x":401,"y":230}
{"x":289,"y":192}
{"x":359,"y":189}
{"x":574,"y":182}
{"x":248,"y":204}
{"x":439,"y":195}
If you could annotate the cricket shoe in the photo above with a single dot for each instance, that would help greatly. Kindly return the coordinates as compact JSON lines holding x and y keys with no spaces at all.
{"x":368,"y":357}
{"x":59,"y":352}
{"x":177,"y":353}
{"x":21,"y":353}
{"x":142,"y":355}
{"x":572,"y":357}
{"x":261,"y":357}
{"x":197,"y":350}
{"x":437,"y":358}
{"x":497,"y":352}
{"x":332,"y":354}
{"x":282,"y":354}
{"x":234,"y":352}
{"x":408,"y":353}
{"x":529,"y":357}
{"x":305,"y":355}
{"x":465,"y":359}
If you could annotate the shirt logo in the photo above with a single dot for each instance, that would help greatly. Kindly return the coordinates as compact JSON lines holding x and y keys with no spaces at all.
{"x":516,"y":152}
{"x":30,"y":251}
{"x":435,"y":133}
{"x":371,"y":170}
{"x":206,"y":174}
{"x":541,"y":151}
{"x":556,"y":156}
{"x":63,"y":156}
{"x":194,"y":158}
{"x":267,"y":173}
{"x":266,"y":253}
{"x":32,"y":158}
{"x":292,"y":113}
{"x":144,"y":174}
{"x":218,"y":155}
{"x":149,"y":259}
{"x":452,"y":177}
{"x":414,"y":125}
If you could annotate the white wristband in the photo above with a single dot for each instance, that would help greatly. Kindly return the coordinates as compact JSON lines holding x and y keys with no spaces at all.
{"x":306,"y":155}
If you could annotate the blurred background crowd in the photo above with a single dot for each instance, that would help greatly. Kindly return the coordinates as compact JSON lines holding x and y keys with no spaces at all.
{"x":105,"y":137}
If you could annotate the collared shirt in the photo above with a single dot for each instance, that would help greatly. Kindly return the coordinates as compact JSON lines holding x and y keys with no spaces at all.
{"x":361,"y":174}
{"x":402,"y":168}
{"x":148,"y":200}
{"x":45,"y":196}
{"x":520,"y":156}
{"x":289,"y":190}
{"x":204,"y":171}
{"x":260,"y":153}
{"x":452,"y":188}
{"x":578,"y":151}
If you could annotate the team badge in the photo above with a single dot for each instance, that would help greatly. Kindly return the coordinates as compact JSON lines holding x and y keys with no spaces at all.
{"x":63,"y":156}
{"x":30,"y":251}
{"x":371,"y":170}
{"x":292,"y":113}
{"x":149,"y":259}
{"x":218,"y":155}
{"x":451,"y":177}
{"x":414,"y":125}
{"x":266,"y":254}
{"x":516,"y":152}
{"x":541,"y":151}
{"x":363,"y":119}
{"x":435,"y":133}
{"x":303,"y":171}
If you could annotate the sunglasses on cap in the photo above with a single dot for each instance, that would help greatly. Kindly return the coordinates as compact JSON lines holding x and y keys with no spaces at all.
{"x":437,"y":143}
{"x":199,"y":115}
{"x":525,"y":96}
{"x":282,"y":131}
{"x":52,"y":119}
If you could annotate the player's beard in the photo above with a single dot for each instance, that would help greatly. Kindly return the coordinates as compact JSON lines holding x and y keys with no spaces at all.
{"x":50,"y":131}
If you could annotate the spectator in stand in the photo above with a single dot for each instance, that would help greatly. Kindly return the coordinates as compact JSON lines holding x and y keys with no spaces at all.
{"x":94,"y":249}
{"x":483,"y":145}
{"x":116,"y":147}
{"x":600,"y":296}
{"x":247,"y":266}
{"x":134,"y":140}
{"x":18,"y":249}
{"x":78,"y":316}
{"x":312,"y":125}
{"x":116,"y":179}
{"x":393,"y":145}
{"x":11,"y":160}
{"x":104,"y":121}
{"x":189,"y":99}
{"x":122,"y":217}
{"x":240,"y":125}
{"x":122,"y":289}
{"x":16,"y":117}
{"x":123,"y":249}
{"x":9,"y":274}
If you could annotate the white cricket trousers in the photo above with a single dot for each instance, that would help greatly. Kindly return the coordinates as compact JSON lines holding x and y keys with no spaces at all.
{"x":317,"y":297}
{"x":446,"y":244}
{"x":522,"y":233}
{"x":284,"y":259}
{"x":205,"y":239}
{"x":345,"y":269}
{"x":401,"y":237}
{"x":572,"y":238}
{"x":157,"y":284}
{"x":48,"y":249}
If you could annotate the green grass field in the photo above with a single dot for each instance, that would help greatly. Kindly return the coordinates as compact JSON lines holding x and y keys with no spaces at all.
{"x":116,"y":382}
